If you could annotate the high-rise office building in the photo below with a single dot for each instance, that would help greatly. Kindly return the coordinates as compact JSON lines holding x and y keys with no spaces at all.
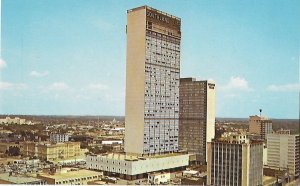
{"x":260,"y":125}
{"x":196,"y":116}
{"x":235,"y":160}
{"x":283,"y":152}
{"x":152,"y":98}
{"x":152,"y":81}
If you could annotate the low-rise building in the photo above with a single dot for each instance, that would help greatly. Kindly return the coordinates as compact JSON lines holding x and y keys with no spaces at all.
{"x":193,"y":181}
{"x":16,"y":120}
{"x":54,"y":151}
{"x":110,"y":142}
{"x":4,"y":146}
{"x":235,"y":160}
{"x":189,"y":173}
{"x":118,"y":130}
{"x":158,"y":178}
{"x":283,"y":152}
{"x":10,"y":178}
{"x":133,"y":167}
{"x":283,"y":131}
{"x":71,"y":177}
{"x":59,"y":138}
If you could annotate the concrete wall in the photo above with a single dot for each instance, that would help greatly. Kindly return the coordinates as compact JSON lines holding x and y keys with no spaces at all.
{"x":135,"y":81}
{"x":282,"y":150}
{"x":136,"y":167}
{"x":211,"y":113}
{"x":159,"y":178}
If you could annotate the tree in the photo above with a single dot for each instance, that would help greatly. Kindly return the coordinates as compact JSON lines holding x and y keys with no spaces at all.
{"x":83,"y":145}
{"x":13,"y":151}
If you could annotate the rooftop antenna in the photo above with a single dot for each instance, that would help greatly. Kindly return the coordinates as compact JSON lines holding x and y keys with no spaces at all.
{"x":260,"y":110}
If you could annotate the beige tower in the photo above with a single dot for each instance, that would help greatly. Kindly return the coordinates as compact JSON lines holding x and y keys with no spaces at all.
{"x":260,"y":125}
{"x":284,"y":152}
{"x":152,"y":81}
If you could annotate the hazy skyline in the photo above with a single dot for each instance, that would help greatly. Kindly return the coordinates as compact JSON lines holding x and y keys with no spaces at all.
{"x":68,"y":57}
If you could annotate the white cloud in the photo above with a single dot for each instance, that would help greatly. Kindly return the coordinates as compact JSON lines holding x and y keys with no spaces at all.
{"x":237,"y":83}
{"x":284,"y":88}
{"x":12,"y":86}
{"x":97,"y":87}
{"x":2,"y":64}
{"x":58,"y":86}
{"x":38,"y":74}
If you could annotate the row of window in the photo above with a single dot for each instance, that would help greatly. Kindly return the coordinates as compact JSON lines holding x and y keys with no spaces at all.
{"x":160,"y":150}
{"x":162,"y":145}
{"x":165,"y":63}
{"x":162,"y":37}
{"x":76,"y":180}
{"x":162,"y":116}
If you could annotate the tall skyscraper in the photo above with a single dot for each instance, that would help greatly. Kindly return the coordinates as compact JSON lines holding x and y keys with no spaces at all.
{"x":284,"y":152}
{"x":235,"y":160}
{"x":152,"y":98}
{"x":152,"y":81}
{"x":260,"y":125}
{"x":196,"y":116}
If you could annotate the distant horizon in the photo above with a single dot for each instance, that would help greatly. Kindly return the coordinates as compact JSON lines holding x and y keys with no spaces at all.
{"x":70,"y":115}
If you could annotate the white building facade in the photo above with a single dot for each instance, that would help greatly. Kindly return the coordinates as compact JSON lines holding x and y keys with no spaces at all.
{"x":129,"y":165}
{"x":283,"y":152}
{"x":159,"y":178}
{"x":16,"y":120}
{"x":59,"y":138}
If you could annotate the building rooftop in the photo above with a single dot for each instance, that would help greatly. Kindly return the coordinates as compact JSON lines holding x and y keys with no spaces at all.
{"x":259,"y":117}
{"x":190,"y":79}
{"x":18,"y":179}
{"x":237,"y":139}
{"x":127,"y":157}
{"x":153,"y":9}
{"x":190,"y":172}
{"x":71,"y":174}
{"x":283,"y":131}
{"x":51,"y":144}
{"x":283,"y":134}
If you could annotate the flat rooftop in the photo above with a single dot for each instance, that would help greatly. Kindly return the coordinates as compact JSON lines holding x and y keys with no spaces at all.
{"x":18,"y":179}
{"x":260,"y":117}
{"x":71,"y":174}
{"x":123,"y":156}
{"x":153,"y":9}
{"x":268,"y":180}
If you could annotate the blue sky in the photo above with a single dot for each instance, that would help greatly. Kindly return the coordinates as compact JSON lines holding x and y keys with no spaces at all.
{"x":69,"y":56}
